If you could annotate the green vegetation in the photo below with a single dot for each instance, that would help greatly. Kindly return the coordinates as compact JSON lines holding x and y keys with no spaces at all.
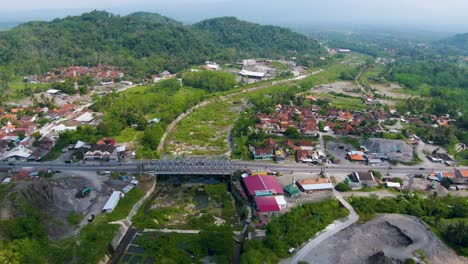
{"x":205,"y":130}
{"x":245,"y":38}
{"x":448,"y":216}
{"x":145,"y":43}
{"x":74,"y":218}
{"x":185,"y":211}
{"x":125,"y":205}
{"x":343,"y":187}
{"x":291,"y":230}
{"x":216,"y":242}
{"x":211,"y":81}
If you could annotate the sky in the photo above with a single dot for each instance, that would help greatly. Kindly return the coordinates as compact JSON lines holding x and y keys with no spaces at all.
{"x":437,"y":15}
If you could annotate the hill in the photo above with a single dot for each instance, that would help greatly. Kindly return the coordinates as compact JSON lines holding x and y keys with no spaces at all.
{"x":458,"y":43}
{"x":145,"y":42}
{"x":250,"y":38}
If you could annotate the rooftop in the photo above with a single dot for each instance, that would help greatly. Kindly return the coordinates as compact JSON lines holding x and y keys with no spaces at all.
{"x":262,"y":183}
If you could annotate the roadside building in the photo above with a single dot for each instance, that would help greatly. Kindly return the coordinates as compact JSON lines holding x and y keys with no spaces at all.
{"x":357,"y":156}
{"x":291,"y":190}
{"x":112,"y":202}
{"x":457,"y":182}
{"x":312,"y":185}
{"x":262,"y":153}
{"x":364,"y":178}
{"x":267,"y":204}
{"x":262,"y":183}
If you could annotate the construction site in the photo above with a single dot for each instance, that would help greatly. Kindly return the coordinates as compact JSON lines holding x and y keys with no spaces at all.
{"x":67,"y":200}
{"x":389,"y":238}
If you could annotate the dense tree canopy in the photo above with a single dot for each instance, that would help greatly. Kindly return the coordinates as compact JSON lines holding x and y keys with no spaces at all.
{"x":146,"y":43}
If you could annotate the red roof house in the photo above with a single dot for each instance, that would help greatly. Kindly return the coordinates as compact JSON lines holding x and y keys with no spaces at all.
{"x":257,"y":183}
{"x":267,"y":204}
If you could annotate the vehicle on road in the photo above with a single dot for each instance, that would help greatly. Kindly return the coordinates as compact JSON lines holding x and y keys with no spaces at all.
{"x":91,"y":218}
{"x":422,"y":168}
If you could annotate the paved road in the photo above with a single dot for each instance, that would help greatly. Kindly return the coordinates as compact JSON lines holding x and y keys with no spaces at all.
{"x":235,"y":165}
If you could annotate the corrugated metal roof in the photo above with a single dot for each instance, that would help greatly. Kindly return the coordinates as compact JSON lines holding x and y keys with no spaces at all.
{"x":112,"y":202}
{"x":262,"y":183}
{"x":319,"y":186}
{"x":267,"y":204}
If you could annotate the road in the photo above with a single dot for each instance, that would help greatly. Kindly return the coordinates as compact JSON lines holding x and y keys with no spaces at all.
{"x":132,"y":166}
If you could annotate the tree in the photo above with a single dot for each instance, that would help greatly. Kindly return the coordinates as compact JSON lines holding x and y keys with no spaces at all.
{"x":292,"y":132}
{"x":5,"y":76}
{"x":342,"y":187}
{"x":458,"y":233}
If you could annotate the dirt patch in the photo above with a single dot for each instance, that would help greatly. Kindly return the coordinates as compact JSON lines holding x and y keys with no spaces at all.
{"x":347,"y":88}
{"x":394,"y":149}
{"x":393,"y":90}
{"x":57,"y":198}
{"x":389,"y":238}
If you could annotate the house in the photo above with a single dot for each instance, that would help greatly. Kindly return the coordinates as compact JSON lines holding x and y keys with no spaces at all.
{"x":262,"y":153}
{"x":252,"y":74}
{"x":357,"y":156}
{"x":364,"y":178}
{"x":261,"y":184}
{"x":104,"y":149}
{"x":20,"y":152}
{"x":267,"y":204}
{"x":456,"y":180}
{"x":311,"y":185}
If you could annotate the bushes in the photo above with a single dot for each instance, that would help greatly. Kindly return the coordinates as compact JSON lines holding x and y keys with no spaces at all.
{"x":342,"y":187}
{"x":211,"y":81}
{"x":291,"y":230}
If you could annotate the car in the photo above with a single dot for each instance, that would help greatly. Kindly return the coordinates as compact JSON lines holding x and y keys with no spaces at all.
{"x":11,"y":164}
{"x":91,"y":218}
{"x":134,"y":182}
{"x":422,"y":168}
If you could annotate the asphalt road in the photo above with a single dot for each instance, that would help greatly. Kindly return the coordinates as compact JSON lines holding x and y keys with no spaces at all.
{"x":236,"y":165}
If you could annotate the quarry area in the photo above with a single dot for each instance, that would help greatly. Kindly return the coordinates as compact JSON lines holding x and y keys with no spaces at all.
{"x":388,"y":238}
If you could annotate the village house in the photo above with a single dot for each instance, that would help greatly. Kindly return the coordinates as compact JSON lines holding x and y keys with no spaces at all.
{"x":312,"y":185}
{"x":363,"y":178}
{"x":455,"y":181}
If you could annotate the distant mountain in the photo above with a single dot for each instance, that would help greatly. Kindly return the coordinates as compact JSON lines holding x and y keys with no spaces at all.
{"x":457,"y":43}
{"x":145,"y":42}
{"x":248,"y":37}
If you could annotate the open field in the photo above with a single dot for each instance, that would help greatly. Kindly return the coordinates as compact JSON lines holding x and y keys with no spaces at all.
{"x":386,"y":239}
{"x":204,"y":132}
{"x":191,"y":206}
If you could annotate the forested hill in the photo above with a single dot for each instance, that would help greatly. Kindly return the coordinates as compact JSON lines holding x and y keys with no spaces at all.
{"x":458,"y":42}
{"x":144,"y":42}
{"x":248,"y":37}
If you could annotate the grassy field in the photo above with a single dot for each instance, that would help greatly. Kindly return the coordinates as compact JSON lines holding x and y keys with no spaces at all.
{"x":204,"y":132}
{"x":196,"y":207}
{"x":19,"y":90}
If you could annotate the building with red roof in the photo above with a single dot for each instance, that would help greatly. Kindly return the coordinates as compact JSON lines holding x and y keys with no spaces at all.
{"x":262,"y":183}
{"x":267,"y":204}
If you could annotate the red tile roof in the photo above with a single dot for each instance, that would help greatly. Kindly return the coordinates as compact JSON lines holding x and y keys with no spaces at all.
{"x":262,"y":183}
{"x":267,"y":204}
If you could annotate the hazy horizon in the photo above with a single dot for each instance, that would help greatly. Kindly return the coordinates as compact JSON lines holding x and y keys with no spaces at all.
{"x":428,"y":15}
